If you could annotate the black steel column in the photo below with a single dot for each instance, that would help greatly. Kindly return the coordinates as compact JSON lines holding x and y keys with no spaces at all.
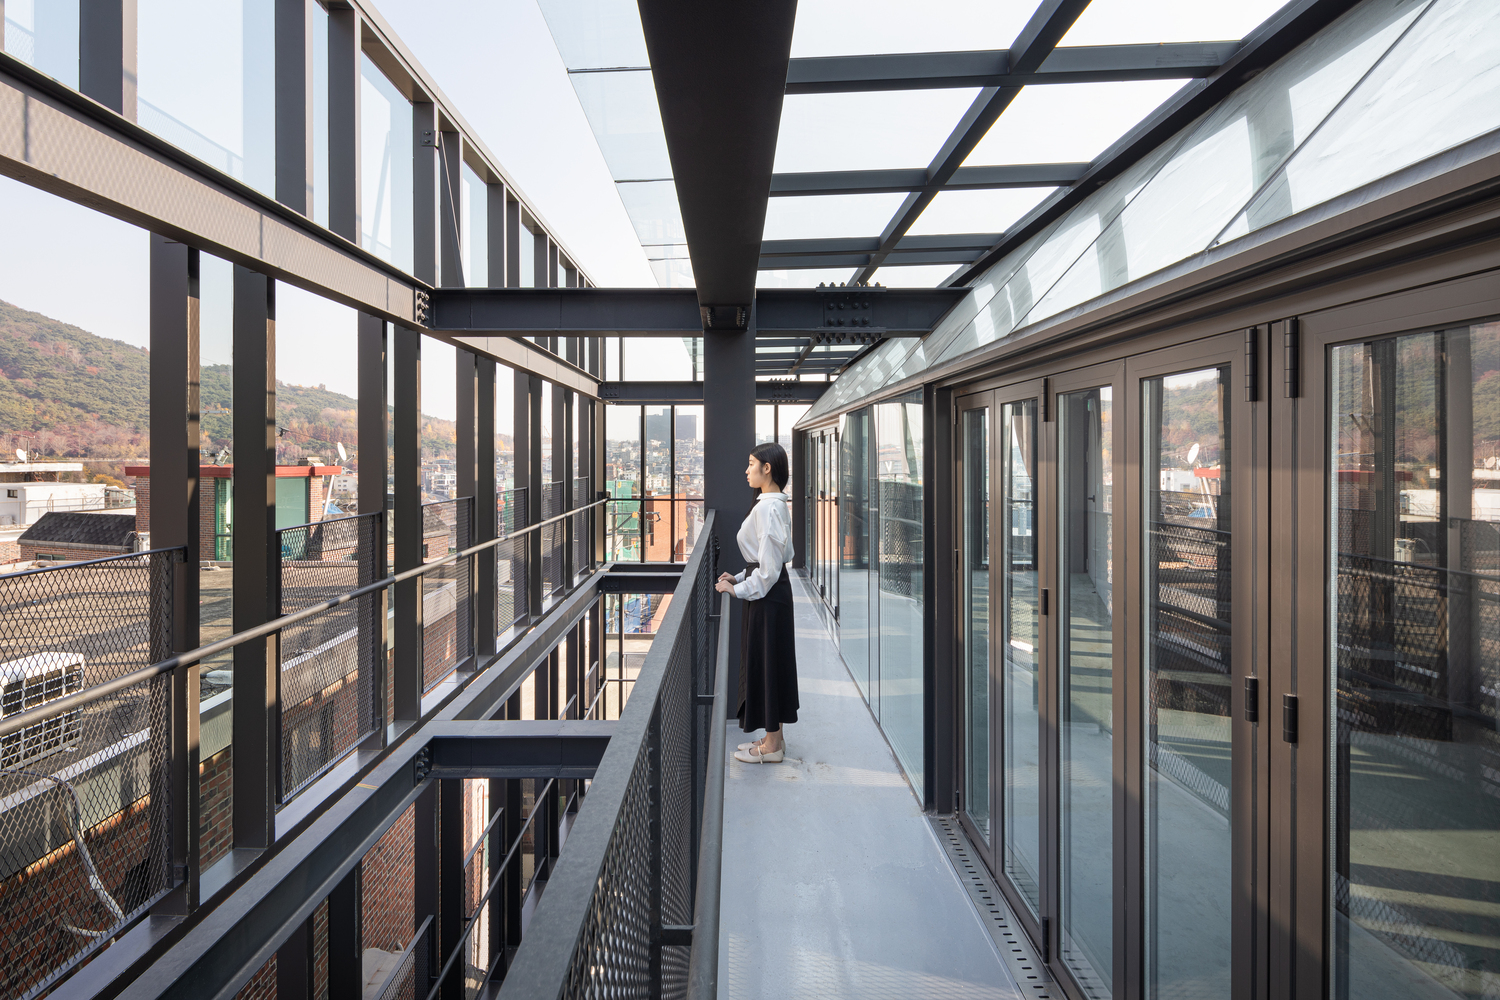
{"x":465,"y":423}
{"x":343,"y":122}
{"x":294,"y":105}
{"x":425,"y":180}
{"x":512,"y":243}
{"x":450,"y":180}
{"x":497,"y":235}
{"x":562,"y":464}
{"x":370,"y":456}
{"x":728,"y":422}
{"x":534,"y":489}
{"x":174,"y":501}
{"x":345,"y":945}
{"x":407,"y":705}
{"x":295,"y":962}
{"x":107,"y":53}
{"x":450,"y":855}
{"x":257,"y":558}
{"x":485,"y":576}
{"x":512,"y":823}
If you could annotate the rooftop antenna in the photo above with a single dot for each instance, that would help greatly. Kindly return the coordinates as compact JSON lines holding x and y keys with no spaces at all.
{"x":20,"y":455}
{"x":343,"y":455}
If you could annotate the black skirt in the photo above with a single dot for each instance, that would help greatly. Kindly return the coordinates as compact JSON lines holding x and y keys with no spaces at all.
{"x":768,"y":660}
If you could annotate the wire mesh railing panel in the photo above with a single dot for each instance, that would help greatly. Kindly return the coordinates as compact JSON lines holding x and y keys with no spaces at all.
{"x":553,"y":572}
{"x":613,"y":954}
{"x":409,"y":980}
{"x":85,"y":812}
{"x":675,"y":711}
{"x":330,"y":663}
{"x":512,"y":580}
{"x":447,"y":633}
{"x":583,"y":538}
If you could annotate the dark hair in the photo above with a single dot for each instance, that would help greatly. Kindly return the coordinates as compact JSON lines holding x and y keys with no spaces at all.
{"x":774,"y":455}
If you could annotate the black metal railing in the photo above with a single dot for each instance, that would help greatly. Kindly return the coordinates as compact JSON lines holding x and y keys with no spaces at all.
{"x":512,"y":562}
{"x":447,"y":607}
{"x":329,"y":696}
{"x":85,"y":782}
{"x":86,"y":859}
{"x":618,"y":917}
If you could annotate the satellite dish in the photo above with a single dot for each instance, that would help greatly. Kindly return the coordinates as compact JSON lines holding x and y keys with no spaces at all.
{"x":343,"y":455}
{"x":20,"y":455}
{"x":1192,"y":453}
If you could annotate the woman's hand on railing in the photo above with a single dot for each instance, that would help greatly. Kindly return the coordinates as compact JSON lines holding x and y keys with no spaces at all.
{"x":725,"y":584}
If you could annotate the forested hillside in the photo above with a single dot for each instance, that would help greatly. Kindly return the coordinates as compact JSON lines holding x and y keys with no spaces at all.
{"x":68,"y":394}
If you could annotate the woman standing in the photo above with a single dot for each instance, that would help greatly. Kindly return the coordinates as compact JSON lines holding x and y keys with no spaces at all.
{"x":768,"y":650}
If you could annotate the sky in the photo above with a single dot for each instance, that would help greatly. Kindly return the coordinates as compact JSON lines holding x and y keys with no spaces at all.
{"x":497,"y":62}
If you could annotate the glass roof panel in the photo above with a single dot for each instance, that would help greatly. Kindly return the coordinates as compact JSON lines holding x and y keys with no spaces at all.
{"x":1234,"y":149}
{"x":805,"y":278}
{"x":676,"y":272}
{"x":621,"y":109}
{"x":977,"y":211}
{"x":652,"y":207}
{"x":834,"y":28}
{"x":591,"y":34}
{"x":913,"y":275}
{"x":1437,"y":87}
{"x":1068,"y":123}
{"x":867,"y":131}
{"x":1126,"y":22}
{"x":830,"y":215}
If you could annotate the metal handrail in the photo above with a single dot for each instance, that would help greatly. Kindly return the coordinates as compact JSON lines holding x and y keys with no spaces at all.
{"x":16,"y":723}
{"x":703,"y":962}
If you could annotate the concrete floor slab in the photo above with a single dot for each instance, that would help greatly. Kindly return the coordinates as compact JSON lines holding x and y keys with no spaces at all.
{"x":834,"y":884}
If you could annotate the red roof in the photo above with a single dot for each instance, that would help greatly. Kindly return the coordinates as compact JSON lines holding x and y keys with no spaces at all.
{"x":226,"y":471}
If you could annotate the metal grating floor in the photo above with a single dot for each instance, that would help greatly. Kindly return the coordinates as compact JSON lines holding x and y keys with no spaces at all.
{"x":994,"y":912}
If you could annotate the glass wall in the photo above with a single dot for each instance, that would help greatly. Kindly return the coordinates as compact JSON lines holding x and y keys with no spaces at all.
{"x":474,"y":225}
{"x":900,"y":443}
{"x":1187,"y":612}
{"x":44,"y":33}
{"x":1018,"y":652}
{"x":1085,"y":584}
{"x":622,"y":480}
{"x":974,"y":579}
{"x":1414,"y":655}
{"x":206,"y":82}
{"x":385,"y":137}
{"x":855,"y":563}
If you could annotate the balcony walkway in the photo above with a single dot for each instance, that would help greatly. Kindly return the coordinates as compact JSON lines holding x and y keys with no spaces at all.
{"x":834,"y":884}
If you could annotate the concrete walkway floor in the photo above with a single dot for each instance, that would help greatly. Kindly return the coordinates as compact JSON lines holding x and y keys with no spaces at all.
{"x":834,"y":884}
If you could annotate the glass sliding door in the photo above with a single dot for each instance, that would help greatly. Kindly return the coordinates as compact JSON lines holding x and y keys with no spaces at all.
{"x":1086,"y":723}
{"x":854,"y":547}
{"x":975,"y":573}
{"x":900,"y":442}
{"x":1413,"y":648}
{"x":1185,"y":617}
{"x":1019,"y":651}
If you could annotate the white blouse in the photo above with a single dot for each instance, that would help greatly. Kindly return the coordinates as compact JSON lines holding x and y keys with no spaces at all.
{"x":765,"y":538}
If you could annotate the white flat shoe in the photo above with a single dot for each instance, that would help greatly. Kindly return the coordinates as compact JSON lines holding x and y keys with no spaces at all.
{"x":751,"y":757}
{"x":746,"y":746}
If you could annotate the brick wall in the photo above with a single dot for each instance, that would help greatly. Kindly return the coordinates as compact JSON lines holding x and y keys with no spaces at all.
{"x":215,"y":810}
{"x":29,"y":550}
{"x":388,"y":877}
{"x":439,"y":648}
{"x":262,"y":985}
{"x":38,"y":901}
{"x":320,"y":951}
{"x":142,"y":503}
{"x":10,"y":552}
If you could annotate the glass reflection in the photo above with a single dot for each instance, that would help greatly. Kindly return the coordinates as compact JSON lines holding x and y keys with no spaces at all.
{"x":976,"y":618}
{"x":44,"y":34}
{"x":1187,"y":676}
{"x":207,"y":82}
{"x":899,"y":439}
{"x":1415,"y":655}
{"x":385,"y":139}
{"x":1085,"y":584}
{"x":1019,"y":655}
{"x":854,"y":549}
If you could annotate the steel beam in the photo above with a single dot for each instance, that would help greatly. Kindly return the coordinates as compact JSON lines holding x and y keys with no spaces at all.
{"x":720,"y":106}
{"x":511,"y":313}
{"x":1282,"y":32}
{"x":1032,"y":46}
{"x":541,"y":749}
{"x":1018,"y":175}
{"x":993,"y":68}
